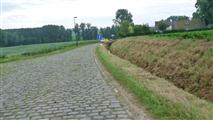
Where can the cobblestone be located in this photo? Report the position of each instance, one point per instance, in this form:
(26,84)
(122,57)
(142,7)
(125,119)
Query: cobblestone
(63,86)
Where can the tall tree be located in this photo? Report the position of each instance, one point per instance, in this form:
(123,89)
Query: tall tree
(123,20)
(177,18)
(204,11)
(123,15)
(83,26)
(88,25)
(162,25)
(114,32)
(106,32)
(3,40)
(77,32)
(124,29)
(94,32)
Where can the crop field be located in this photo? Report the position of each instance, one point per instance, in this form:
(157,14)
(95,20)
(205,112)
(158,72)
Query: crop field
(8,53)
(207,34)
(20,50)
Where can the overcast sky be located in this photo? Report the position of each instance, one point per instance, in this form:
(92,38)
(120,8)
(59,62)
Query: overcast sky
(36,13)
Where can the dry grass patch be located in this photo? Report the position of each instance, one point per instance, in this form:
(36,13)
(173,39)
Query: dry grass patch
(186,63)
(159,96)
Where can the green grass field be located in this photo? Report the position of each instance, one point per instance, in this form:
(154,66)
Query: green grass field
(207,34)
(21,52)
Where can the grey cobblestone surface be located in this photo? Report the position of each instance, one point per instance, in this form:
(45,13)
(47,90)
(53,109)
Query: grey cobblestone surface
(66,86)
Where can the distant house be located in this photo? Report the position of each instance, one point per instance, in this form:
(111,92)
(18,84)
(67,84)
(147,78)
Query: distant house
(184,24)
(187,24)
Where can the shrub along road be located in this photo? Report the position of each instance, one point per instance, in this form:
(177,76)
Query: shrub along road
(62,86)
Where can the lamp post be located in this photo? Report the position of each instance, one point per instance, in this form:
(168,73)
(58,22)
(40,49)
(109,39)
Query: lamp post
(75,31)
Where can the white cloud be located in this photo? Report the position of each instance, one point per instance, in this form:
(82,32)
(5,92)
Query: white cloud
(35,13)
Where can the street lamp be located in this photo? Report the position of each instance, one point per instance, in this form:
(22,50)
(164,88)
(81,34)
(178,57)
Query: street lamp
(75,32)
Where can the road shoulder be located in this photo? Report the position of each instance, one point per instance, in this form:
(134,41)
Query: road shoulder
(133,104)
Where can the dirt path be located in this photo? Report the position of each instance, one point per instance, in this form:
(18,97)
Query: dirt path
(64,86)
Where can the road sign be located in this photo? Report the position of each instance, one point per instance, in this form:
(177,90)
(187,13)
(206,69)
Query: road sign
(99,37)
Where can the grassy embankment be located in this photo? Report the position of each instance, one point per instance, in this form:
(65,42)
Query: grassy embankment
(158,96)
(8,54)
(187,64)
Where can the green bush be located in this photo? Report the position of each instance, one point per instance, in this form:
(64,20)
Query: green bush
(208,34)
(3,56)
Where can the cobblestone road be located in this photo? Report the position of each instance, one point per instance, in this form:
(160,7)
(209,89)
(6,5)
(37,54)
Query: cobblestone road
(58,87)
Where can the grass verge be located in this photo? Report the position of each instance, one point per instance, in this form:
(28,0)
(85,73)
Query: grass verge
(154,93)
(31,51)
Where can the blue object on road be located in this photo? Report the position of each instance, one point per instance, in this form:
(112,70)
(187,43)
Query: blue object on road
(99,37)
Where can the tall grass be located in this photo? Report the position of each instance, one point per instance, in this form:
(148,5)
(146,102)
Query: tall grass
(158,105)
(186,63)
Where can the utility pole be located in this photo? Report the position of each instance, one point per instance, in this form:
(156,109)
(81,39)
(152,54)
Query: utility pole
(75,32)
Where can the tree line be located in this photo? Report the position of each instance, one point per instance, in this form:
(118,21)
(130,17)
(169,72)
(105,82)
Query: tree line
(85,31)
(123,27)
(126,27)
(46,34)
(25,36)
(54,33)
